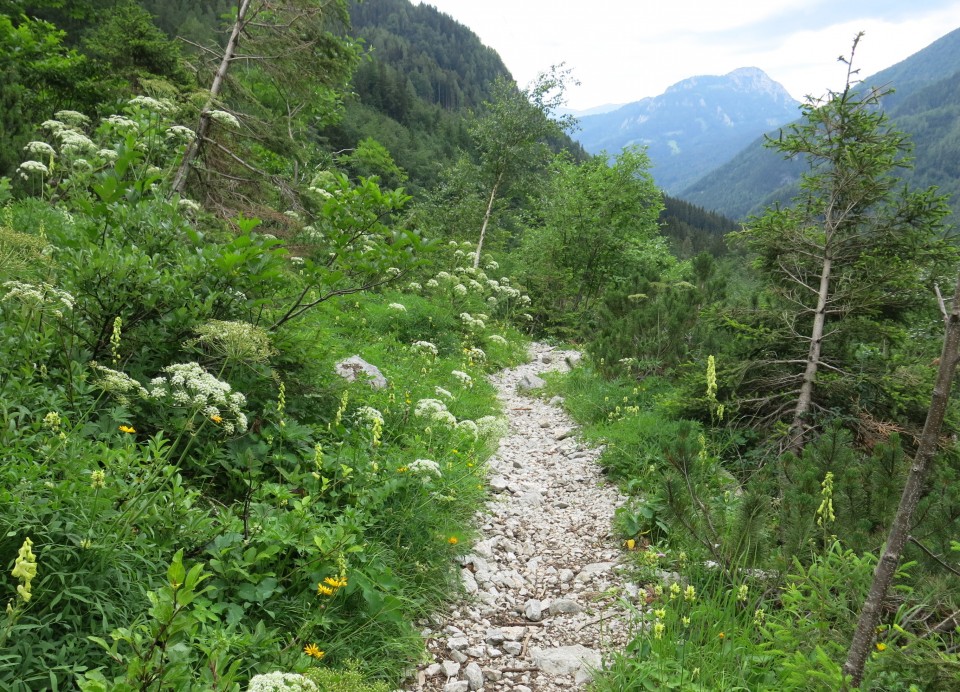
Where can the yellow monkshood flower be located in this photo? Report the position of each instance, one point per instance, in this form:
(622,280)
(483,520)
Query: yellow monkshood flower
(314,651)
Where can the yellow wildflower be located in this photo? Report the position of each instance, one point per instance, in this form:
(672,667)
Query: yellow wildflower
(881,646)
(314,651)
(690,593)
(630,543)
(453,540)
(98,479)
(216,418)
(658,629)
(127,429)
(324,590)
(674,590)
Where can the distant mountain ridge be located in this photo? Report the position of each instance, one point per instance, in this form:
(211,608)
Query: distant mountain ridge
(925,105)
(695,125)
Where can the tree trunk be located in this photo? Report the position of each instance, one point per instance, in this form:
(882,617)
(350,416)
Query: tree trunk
(796,437)
(863,637)
(486,219)
(190,155)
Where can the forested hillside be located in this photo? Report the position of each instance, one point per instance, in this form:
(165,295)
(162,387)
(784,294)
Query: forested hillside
(924,104)
(252,284)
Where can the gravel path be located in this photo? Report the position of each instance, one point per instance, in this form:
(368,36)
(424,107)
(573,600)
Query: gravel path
(543,589)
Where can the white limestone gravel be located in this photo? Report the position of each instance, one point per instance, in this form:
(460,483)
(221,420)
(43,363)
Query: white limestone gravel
(544,593)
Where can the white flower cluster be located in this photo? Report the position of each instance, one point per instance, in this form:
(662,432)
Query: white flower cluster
(72,118)
(398,307)
(424,467)
(435,411)
(432,284)
(414,287)
(473,323)
(44,296)
(281,682)
(477,354)
(122,123)
(39,149)
(120,384)
(73,143)
(492,427)
(444,393)
(460,290)
(425,347)
(190,386)
(463,378)
(225,118)
(497,339)
(368,414)
(28,168)
(151,104)
(468,427)
(189,205)
(180,134)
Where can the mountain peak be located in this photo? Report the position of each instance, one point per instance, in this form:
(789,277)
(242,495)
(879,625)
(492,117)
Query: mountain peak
(742,79)
(695,125)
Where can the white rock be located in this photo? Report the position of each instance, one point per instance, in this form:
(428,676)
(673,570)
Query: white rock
(565,660)
(450,668)
(457,686)
(533,610)
(474,676)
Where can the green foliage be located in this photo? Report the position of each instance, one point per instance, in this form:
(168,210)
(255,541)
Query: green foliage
(598,225)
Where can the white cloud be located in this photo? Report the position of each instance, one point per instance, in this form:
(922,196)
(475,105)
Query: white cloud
(624,50)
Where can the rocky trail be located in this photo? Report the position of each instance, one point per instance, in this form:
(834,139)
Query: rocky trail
(544,593)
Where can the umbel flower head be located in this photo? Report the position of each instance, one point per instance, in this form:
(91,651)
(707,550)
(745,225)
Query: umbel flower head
(235,341)
(190,386)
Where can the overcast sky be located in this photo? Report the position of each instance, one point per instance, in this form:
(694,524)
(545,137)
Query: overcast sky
(624,50)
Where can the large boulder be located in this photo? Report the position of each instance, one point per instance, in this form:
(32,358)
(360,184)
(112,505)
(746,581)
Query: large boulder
(356,368)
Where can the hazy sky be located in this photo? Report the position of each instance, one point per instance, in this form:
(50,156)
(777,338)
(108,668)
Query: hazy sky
(625,50)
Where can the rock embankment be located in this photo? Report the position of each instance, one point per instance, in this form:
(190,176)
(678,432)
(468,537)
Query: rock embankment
(544,593)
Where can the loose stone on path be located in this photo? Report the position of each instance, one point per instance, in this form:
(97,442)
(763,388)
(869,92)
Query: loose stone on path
(543,586)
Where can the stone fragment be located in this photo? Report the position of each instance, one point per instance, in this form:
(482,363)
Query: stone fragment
(474,676)
(450,668)
(513,648)
(565,660)
(565,606)
(530,382)
(533,610)
(457,686)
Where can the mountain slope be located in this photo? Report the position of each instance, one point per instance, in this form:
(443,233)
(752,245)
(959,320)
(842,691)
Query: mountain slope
(695,125)
(925,105)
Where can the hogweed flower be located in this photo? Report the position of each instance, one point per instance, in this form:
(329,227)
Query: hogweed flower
(118,383)
(278,680)
(463,378)
(224,118)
